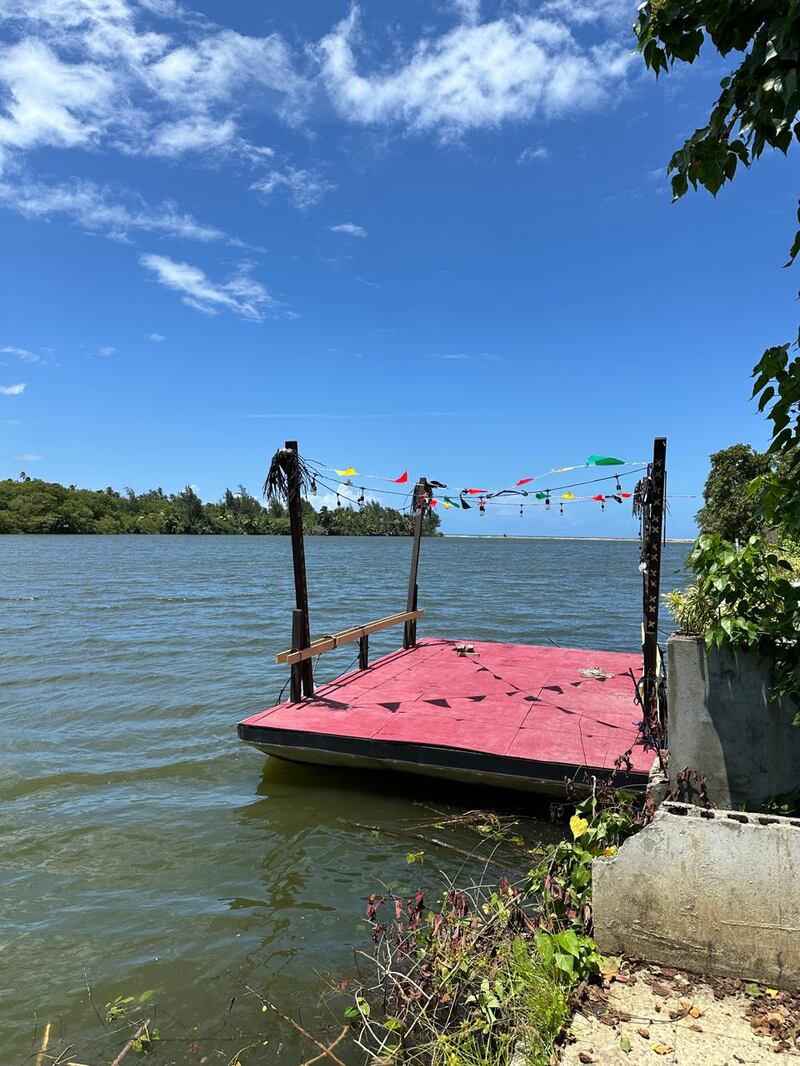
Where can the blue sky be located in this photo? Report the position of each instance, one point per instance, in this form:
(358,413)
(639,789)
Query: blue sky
(423,236)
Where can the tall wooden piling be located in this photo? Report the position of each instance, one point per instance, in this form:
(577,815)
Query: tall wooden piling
(302,673)
(652,536)
(419,499)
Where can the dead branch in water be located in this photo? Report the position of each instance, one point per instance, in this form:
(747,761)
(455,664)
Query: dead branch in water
(324,1054)
(434,841)
(136,1036)
(326,1051)
(43,1048)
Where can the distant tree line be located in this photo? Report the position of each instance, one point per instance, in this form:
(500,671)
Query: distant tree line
(29,505)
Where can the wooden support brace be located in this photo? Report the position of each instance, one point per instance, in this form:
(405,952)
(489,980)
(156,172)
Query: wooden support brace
(347,636)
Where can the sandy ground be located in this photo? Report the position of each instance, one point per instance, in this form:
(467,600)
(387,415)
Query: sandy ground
(654,1015)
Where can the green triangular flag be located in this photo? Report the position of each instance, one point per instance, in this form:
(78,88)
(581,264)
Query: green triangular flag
(604,460)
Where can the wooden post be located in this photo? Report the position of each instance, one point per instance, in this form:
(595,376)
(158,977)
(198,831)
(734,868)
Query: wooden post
(301,633)
(410,629)
(296,681)
(652,533)
(363,652)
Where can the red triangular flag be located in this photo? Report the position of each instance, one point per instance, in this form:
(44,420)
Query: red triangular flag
(524,480)
(433,503)
(601,498)
(402,479)
(476,492)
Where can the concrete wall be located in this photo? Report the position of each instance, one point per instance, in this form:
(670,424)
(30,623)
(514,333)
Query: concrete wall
(722,725)
(708,891)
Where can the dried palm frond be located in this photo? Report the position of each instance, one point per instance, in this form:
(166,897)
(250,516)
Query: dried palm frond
(286,468)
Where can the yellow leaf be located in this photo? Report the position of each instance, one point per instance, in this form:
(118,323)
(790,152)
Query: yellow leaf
(662,1049)
(578,825)
(696,1012)
(772,992)
(610,851)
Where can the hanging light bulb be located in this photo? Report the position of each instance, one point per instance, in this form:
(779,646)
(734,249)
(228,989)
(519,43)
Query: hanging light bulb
(603,505)
(561,508)
(619,487)
(313,485)
(482,506)
(547,501)
(520,510)
(360,499)
(338,501)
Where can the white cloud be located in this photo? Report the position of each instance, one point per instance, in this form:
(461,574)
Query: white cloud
(29,457)
(514,68)
(533,154)
(241,295)
(467,10)
(303,187)
(157,338)
(99,209)
(11,390)
(106,350)
(350,228)
(583,12)
(49,101)
(197,133)
(487,356)
(221,65)
(23,354)
(94,72)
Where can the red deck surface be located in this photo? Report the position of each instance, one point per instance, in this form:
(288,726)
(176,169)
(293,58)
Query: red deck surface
(508,700)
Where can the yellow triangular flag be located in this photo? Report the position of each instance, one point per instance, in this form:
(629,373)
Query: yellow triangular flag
(568,496)
(349,472)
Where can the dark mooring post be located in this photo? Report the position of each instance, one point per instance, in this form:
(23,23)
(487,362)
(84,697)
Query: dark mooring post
(302,680)
(652,534)
(419,500)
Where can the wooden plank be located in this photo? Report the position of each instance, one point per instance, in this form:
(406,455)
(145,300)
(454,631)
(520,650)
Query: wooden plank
(347,636)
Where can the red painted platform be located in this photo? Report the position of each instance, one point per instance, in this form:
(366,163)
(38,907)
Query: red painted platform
(519,716)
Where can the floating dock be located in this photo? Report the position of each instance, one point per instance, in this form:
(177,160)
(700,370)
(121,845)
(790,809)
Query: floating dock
(510,715)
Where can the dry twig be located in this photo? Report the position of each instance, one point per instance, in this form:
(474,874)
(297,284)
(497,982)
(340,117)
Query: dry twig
(136,1036)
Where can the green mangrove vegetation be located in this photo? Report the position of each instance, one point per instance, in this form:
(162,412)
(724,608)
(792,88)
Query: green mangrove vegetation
(30,505)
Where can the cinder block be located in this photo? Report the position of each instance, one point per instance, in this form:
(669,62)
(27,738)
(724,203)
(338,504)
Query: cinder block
(709,891)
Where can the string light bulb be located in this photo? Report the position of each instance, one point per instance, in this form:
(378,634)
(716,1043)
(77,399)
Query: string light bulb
(360,500)
(482,506)
(338,501)
(561,508)
(520,510)
(313,485)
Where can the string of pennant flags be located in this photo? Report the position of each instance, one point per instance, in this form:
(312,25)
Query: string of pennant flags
(467,498)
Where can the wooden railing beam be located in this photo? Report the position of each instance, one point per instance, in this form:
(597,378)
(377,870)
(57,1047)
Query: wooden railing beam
(347,636)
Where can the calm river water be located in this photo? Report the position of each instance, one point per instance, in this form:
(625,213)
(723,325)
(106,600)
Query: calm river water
(143,847)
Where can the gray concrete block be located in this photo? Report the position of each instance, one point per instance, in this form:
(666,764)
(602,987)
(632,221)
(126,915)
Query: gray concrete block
(722,724)
(710,891)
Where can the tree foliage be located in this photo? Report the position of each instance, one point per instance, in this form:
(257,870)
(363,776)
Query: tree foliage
(729,507)
(31,505)
(759,101)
